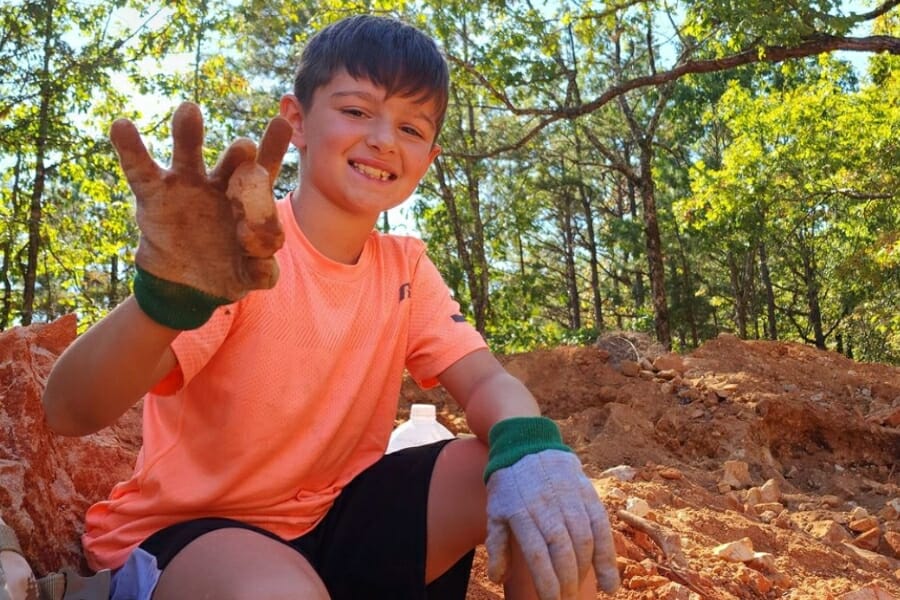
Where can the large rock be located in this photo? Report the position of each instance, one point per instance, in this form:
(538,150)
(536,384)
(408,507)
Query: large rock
(48,481)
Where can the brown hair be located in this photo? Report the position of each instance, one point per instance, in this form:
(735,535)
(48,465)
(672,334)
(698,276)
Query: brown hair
(384,50)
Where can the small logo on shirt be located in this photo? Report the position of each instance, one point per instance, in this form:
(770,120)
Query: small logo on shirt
(405,291)
(458,318)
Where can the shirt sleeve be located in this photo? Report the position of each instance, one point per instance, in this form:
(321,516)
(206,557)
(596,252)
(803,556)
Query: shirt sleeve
(439,335)
(194,348)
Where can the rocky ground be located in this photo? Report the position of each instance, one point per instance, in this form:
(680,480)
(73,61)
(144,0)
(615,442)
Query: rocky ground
(744,470)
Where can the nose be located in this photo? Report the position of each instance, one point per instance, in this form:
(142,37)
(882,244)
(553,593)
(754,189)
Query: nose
(381,136)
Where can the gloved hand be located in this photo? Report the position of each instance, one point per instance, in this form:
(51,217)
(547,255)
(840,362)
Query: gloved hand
(206,238)
(549,505)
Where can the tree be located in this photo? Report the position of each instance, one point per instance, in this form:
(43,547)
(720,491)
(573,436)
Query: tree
(798,178)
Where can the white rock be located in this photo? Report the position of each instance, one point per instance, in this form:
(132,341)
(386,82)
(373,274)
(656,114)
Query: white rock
(738,551)
(620,472)
(637,506)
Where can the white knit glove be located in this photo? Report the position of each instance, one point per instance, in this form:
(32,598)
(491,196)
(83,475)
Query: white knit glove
(549,505)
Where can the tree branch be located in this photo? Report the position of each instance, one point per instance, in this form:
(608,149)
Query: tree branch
(818,44)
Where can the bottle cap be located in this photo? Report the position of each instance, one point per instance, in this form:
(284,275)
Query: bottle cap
(422,411)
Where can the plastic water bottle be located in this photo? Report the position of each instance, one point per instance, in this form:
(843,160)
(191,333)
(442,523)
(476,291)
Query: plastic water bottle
(422,428)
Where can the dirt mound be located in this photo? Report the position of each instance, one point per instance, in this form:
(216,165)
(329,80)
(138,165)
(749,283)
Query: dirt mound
(784,451)
(745,470)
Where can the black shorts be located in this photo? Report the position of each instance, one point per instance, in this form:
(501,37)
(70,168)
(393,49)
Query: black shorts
(372,542)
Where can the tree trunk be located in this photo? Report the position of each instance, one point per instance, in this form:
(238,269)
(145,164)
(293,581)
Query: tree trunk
(812,298)
(462,247)
(654,249)
(594,262)
(480,300)
(12,227)
(36,216)
(637,285)
(739,293)
(689,293)
(568,231)
(771,323)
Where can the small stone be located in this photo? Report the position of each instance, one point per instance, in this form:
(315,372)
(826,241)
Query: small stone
(670,361)
(630,368)
(869,592)
(891,510)
(755,581)
(673,591)
(620,472)
(616,494)
(770,491)
(784,521)
(762,561)
(670,473)
(864,524)
(634,569)
(858,513)
(767,516)
(775,507)
(733,501)
(736,473)
(738,551)
(892,540)
(637,506)
(753,496)
(829,532)
(868,540)
(831,501)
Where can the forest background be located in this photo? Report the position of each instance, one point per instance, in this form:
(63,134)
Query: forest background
(676,167)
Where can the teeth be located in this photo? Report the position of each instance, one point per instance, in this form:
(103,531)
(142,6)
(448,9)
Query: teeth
(372,171)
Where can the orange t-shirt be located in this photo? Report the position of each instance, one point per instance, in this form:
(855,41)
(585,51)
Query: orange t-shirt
(287,394)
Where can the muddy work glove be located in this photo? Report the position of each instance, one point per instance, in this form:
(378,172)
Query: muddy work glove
(207,238)
(538,493)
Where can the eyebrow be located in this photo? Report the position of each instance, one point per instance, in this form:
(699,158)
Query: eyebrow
(369,97)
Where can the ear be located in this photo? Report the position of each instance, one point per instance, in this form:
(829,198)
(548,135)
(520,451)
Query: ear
(433,154)
(291,109)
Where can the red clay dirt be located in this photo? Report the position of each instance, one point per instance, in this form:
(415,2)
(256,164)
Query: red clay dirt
(824,429)
(788,453)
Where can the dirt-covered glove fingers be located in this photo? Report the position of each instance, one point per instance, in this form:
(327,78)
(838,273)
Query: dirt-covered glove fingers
(561,552)
(498,550)
(604,547)
(538,551)
(187,138)
(261,273)
(259,230)
(274,143)
(240,151)
(578,526)
(139,168)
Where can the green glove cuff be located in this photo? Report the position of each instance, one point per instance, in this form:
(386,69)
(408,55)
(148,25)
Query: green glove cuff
(174,305)
(513,438)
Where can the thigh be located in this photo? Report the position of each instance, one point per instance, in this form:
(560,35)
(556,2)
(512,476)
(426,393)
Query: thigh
(238,563)
(457,502)
(372,543)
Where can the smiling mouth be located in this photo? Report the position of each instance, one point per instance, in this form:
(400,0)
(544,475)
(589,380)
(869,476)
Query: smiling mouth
(372,172)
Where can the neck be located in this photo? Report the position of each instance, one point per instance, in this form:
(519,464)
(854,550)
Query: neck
(336,234)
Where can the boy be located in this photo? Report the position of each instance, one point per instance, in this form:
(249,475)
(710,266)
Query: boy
(266,414)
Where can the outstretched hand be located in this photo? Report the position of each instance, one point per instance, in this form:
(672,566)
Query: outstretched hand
(215,232)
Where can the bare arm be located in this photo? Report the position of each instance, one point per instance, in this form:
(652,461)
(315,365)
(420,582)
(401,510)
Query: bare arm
(106,370)
(487,392)
(207,238)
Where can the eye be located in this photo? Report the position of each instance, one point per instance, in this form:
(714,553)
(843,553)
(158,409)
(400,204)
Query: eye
(412,131)
(353,112)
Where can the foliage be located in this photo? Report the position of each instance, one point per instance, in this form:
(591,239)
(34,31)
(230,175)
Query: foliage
(768,189)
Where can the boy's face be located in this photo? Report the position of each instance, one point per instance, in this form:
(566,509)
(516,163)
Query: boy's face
(360,150)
